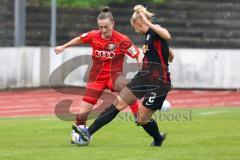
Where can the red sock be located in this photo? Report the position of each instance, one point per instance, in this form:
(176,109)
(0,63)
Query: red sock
(134,108)
(81,120)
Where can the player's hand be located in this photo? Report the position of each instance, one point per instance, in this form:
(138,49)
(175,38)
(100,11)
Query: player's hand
(59,49)
(170,57)
(145,48)
(144,18)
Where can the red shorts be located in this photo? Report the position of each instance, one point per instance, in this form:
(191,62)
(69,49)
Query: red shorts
(96,86)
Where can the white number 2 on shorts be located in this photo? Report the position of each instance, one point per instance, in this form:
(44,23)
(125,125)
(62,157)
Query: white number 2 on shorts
(152,97)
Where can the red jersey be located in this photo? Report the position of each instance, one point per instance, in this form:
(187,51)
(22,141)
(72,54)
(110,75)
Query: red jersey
(108,55)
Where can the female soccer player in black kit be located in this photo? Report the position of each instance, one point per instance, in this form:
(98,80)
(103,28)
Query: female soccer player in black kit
(152,82)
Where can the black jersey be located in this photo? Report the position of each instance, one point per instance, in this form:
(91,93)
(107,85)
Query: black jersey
(156,57)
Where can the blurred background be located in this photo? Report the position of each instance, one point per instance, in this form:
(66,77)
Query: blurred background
(205,40)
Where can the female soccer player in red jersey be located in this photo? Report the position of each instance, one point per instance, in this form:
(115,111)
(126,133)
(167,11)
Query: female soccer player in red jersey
(109,49)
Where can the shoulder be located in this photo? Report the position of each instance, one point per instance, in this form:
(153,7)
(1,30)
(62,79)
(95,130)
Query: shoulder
(94,31)
(119,35)
(90,33)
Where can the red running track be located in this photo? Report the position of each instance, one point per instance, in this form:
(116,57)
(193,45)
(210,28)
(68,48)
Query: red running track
(39,102)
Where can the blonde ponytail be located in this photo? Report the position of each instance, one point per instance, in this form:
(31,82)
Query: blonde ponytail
(140,8)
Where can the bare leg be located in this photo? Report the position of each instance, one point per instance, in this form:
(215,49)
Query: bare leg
(83,113)
(120,83)
(125,98)
(144,115)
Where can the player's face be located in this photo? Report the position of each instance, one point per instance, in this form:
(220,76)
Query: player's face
(139,26)
(105,27)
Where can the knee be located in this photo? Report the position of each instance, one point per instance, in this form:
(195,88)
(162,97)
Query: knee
(119,103)
(142,120)
(120,85)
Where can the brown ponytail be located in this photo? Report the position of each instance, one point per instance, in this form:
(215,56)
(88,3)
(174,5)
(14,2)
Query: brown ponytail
(105,13)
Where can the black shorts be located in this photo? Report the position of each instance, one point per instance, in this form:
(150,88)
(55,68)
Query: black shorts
(153,89)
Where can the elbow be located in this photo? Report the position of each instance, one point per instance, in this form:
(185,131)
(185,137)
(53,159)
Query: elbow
(168,37)
(163,32)
(78,39)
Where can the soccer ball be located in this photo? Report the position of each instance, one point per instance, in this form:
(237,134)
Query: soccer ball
(166,106)
(75,137)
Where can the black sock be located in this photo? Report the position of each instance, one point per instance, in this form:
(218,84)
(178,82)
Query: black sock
(152,129)
(105,117)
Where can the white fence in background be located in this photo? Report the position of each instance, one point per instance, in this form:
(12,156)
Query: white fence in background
(206,68)
(192,68)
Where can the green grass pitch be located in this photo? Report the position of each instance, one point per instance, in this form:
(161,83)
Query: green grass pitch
(200,134)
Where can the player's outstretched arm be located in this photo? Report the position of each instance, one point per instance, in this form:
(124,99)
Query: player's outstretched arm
(162,32)
(73,42)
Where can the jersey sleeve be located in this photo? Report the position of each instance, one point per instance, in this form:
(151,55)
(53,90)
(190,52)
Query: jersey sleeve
(86,37)
(131,49)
